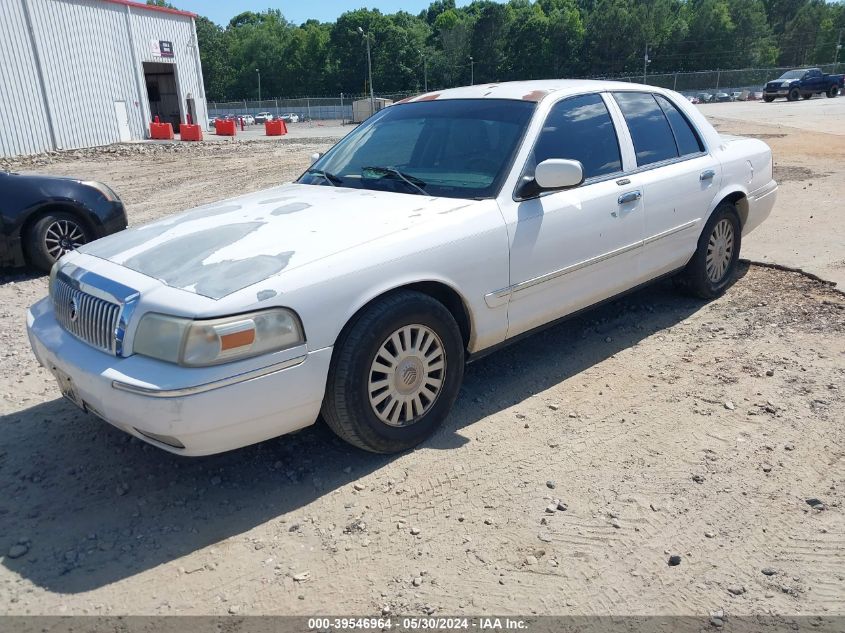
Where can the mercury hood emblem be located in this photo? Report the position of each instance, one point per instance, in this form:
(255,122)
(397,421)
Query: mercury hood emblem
(74,310)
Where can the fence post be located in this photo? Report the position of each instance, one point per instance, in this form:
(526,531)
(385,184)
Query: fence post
(718,77)
(342,113)
(675,85)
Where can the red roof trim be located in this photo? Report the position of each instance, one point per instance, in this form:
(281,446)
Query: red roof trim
(150,7)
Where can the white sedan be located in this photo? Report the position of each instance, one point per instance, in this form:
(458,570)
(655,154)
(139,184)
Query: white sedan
(439,229)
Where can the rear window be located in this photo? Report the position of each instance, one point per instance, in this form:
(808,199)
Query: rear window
(650,131)
(686,137)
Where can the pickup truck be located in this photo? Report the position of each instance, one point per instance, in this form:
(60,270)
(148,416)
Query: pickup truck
(804,82)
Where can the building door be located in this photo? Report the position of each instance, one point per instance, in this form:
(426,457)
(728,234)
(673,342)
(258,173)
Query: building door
(163,93)
(122,117)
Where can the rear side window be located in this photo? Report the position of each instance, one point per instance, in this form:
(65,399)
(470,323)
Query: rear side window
(580,129)
(650,131)
(685,136)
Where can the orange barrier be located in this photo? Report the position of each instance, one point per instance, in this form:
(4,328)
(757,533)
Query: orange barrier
(224,128)
(188,132)
(161,131)
(275,128)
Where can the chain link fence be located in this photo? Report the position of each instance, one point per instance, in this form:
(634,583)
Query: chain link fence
(306,108)
(752,79)
(339,108)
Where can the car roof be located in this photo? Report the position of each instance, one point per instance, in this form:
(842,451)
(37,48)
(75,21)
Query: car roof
(529,90)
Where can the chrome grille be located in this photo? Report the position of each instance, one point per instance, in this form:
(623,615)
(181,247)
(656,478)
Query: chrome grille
(89,318)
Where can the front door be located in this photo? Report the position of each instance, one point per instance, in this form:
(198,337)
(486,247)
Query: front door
(122,116)
(573,248)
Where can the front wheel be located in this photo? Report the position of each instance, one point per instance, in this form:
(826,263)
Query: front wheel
(794,95)
(711,268)
(832,92)
(54,235)
(395,373)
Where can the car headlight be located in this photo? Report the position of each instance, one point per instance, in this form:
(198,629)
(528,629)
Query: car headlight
(104,189)
(200,343)
(785,84)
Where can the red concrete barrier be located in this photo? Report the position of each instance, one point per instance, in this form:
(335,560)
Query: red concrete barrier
(275,128)
(188,132)
(224,128)
(161,131)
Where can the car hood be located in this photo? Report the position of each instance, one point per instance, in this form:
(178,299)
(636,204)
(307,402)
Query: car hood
(220,248)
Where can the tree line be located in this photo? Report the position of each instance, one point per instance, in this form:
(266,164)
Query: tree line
(521,39)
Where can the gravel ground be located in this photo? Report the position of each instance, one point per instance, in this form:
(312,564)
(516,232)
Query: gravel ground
(577,467)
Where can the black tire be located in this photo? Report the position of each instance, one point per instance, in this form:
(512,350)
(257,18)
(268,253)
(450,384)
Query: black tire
(768,99)
(695,279)
(52,236)
(832,92)
(809,96)
(347,408)
(794,95)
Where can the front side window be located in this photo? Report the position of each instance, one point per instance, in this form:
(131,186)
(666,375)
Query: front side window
(650,131)
(579,128)
(457,148)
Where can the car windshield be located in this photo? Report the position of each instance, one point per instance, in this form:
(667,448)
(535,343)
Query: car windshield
(793,74)
(456,148)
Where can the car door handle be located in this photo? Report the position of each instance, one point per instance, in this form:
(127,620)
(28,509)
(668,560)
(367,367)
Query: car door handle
(707,175)
(631,196)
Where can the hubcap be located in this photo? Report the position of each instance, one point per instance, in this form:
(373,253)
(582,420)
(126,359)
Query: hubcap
(406,375)
(720,250)
(63,236)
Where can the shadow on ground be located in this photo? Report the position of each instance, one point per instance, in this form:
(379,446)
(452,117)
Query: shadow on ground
(95,506)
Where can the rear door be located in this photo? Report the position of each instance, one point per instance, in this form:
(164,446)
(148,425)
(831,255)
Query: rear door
(678,176)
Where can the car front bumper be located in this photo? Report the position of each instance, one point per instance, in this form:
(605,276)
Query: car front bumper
(150,399)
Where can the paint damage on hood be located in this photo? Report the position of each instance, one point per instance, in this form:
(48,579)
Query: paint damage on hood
(220,248)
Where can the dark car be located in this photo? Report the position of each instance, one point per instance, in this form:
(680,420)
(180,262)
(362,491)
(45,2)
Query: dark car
(803,83)
(44,217)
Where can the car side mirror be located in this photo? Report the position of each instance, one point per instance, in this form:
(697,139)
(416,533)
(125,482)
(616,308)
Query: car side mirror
(552,174)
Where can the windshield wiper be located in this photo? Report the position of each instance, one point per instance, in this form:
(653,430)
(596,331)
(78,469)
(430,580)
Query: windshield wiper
(328,177)
(415,182)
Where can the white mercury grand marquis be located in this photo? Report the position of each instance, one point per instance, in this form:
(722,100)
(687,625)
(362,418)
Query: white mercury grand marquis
(440,228)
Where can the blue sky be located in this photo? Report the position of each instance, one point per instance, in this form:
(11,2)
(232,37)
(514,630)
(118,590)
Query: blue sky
(298,11)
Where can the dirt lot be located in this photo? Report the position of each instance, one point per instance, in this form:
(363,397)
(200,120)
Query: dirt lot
(574,465)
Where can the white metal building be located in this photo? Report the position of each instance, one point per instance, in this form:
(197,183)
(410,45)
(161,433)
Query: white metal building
(80,73)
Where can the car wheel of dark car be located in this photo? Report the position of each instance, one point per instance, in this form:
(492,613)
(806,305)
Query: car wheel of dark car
(711,268)
(54,235)
(832,91)
(395,373)
(794,95)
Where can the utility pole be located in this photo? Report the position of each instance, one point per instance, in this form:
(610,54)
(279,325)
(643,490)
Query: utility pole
(425,70)
(471,71)
(838,48)
(259,88)
(366,36)
(646,61)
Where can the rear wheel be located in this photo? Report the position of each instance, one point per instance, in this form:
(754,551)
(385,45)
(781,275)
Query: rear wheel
(711,268)
(832,92)
(794,95)
(54,235)
(395,373)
